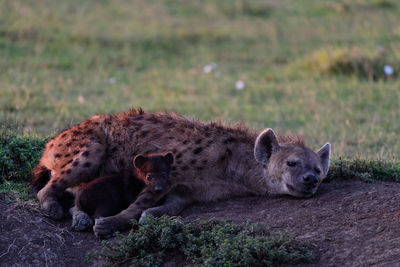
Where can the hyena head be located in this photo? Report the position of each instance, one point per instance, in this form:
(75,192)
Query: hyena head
(153,169)
(291,168)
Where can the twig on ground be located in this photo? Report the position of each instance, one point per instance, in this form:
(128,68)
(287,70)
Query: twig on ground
(8,250)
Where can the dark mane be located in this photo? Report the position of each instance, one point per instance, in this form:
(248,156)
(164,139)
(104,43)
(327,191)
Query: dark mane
(291,140)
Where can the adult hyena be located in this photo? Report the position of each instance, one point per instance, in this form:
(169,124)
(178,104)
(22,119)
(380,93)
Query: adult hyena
(212,161)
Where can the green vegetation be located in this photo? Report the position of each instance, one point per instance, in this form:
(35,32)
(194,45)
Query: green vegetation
(309,67)
(209,243)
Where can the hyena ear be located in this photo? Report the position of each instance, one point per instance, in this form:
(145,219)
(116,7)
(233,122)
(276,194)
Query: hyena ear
(138,161)
(324,154)
(266,144)
(169,158)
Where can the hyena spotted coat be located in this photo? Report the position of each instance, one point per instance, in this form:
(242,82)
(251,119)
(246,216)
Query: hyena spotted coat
(212,161)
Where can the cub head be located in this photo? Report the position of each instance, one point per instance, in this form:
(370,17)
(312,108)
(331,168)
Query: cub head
(153,169)
(291,168)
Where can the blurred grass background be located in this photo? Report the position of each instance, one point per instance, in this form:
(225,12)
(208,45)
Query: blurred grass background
(309,67)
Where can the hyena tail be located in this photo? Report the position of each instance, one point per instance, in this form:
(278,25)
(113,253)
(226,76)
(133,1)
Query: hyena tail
(40,177)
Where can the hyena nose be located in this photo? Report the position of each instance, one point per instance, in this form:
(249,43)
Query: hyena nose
(158,188)
(310,180)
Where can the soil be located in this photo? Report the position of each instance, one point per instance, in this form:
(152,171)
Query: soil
(348,223)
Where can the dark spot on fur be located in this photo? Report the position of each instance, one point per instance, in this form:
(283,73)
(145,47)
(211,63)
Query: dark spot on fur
(63,166)
(144,133)
(208,134)
(184,168)
(113,149)
(87,164)
(69,161)
(199,168)
(197,150)
(229,152)
(90,131)
(59,145)
(173,168)
(75,132)
(171,138)
(81,146)
(185,142)
(76,152)
(74,140)
(179,156)
(92,138)
(174,150)
(230,140)
(85,154)
(62,172)
(69,144)
(68,171)
(178,161)
(58,155)
(76,163)
(204,162)
(198,141)
(122,163)
(67,155)
(138,203)
(64,135)
(51,145)
(193,161)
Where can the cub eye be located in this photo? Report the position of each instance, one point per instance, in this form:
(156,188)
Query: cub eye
(317,170)
(291,163)
(149,177)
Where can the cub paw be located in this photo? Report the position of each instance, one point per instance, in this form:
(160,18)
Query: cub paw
(104,228)
(53,210)
(81,221)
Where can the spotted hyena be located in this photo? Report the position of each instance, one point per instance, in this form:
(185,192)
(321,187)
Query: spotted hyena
(212,161)
(110,194)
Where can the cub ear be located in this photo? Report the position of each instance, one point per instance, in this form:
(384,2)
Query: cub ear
(266,144)
(324,154)
(169,158)
(138,161)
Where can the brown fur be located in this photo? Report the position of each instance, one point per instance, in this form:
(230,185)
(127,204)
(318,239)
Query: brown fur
(212,161)
(108,195)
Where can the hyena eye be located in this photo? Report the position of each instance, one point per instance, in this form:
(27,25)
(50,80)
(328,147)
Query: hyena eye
(317,170)
(149,177)
(291,163)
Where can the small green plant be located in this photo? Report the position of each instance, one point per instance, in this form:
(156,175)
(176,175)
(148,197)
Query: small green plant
(18,155)
(208,243)
(364,169)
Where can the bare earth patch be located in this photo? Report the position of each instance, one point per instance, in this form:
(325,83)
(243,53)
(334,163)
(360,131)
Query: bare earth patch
(348,223)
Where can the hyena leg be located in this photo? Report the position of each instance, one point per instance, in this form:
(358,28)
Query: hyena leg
(177,200)
(82,167)
(81,221)
(105,227)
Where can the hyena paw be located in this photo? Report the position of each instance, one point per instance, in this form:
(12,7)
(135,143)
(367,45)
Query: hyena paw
(144,216)
(81,221)
(104,227)
(53,210)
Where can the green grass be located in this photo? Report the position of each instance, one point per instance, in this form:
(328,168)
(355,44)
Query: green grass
(57,58)
(208,243)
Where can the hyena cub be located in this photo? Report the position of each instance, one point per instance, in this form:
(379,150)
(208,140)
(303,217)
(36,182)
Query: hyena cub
(108,195)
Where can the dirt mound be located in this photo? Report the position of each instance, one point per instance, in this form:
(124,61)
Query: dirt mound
(348,223)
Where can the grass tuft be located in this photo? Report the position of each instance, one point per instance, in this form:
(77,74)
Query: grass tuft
(348,62)
(209,243)
(364,169)
(18,155)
